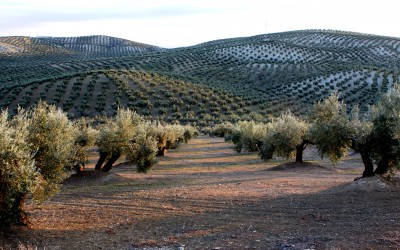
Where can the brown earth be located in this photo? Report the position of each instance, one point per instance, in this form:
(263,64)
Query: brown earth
(204,195)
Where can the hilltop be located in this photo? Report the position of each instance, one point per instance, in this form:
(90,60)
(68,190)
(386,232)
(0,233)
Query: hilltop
(93,45)
(230,79)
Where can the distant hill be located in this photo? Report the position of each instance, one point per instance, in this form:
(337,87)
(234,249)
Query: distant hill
(259,76)
(97,44)
(94,45)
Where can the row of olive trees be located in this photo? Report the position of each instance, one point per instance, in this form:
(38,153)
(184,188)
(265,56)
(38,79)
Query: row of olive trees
(40,147)
(374,134)
(140,141)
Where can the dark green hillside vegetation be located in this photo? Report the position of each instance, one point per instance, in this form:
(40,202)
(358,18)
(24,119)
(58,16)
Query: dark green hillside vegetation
(293,69)
(24,60)
(260,76)
(150,94)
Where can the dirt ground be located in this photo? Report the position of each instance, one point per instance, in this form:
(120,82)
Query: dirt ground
(204,195)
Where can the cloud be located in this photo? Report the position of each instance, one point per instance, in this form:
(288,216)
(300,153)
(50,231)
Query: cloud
(81,17)
(185,22)
(73,10)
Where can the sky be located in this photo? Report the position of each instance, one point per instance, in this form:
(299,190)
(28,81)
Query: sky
(178,23)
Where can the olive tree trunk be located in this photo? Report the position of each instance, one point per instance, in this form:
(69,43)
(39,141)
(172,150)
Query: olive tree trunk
(102,159)
(368,165)
(383,165)
(299,153)
(162,152)
(300,149)
(108,166)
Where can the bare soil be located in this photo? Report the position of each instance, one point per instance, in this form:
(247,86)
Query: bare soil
(204,195)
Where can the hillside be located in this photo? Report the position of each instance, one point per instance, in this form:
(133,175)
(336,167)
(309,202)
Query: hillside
(250,77)
(150,94)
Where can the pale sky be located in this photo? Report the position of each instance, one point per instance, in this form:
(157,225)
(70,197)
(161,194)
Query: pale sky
(177,23)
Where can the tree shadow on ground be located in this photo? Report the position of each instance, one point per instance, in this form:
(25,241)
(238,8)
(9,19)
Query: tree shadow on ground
(343,216)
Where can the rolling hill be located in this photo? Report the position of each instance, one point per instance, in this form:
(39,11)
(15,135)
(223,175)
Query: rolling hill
(241,78)
(97,46)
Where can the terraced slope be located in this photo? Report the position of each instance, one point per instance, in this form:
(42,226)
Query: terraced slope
(263,75)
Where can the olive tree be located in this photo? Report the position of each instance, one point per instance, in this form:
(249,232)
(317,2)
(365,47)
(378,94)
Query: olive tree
(175,134)
(128,134)
(18,173)
(248,135)
(335,132)
(36,152)
(158,131)
(360,128)
(374,134)
(168,136)
(115,137)
(385,135)
(52,139)
(144,148)
(222,130)
(189,133)
(287,136)
(85,137)
(330,130)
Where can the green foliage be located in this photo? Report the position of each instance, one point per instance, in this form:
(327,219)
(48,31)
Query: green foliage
(86,134)
(116,134)
(18,174)
(389,106)
(36,152)
(190,133)
(52,139)
(284,135)
(157,131)
(331,128)
(360,129)
(385,133)
(248,135)
(85,137)
(143,152)
(175,135)
(266,151)
(223,130)
(128,134)
(236,139)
